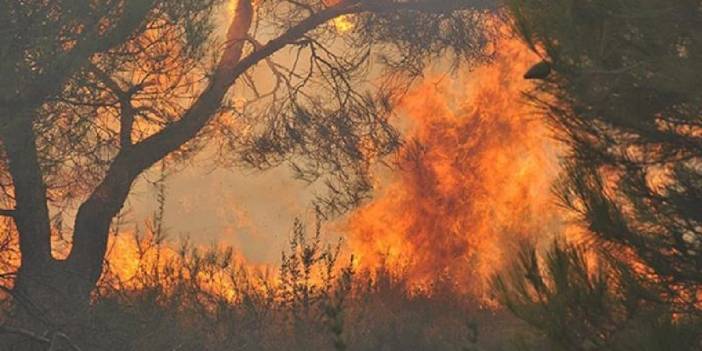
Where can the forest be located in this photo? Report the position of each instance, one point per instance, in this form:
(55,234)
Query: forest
(468,175)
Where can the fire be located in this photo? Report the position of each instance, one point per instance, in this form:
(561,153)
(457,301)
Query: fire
(344,23)
(138,262)
(473,181)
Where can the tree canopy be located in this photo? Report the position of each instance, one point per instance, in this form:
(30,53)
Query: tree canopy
(626,97)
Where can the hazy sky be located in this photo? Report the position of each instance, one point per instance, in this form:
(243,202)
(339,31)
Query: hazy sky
(253,211)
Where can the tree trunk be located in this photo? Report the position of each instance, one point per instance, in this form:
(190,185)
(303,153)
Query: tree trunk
(55,294)
(31,213)
(54,300)
(45,292)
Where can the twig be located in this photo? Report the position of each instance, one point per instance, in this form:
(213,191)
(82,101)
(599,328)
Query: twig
(54,342)
(4,212)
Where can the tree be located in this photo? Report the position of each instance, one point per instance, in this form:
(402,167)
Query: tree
(624,93)
(95,93)
(579,301)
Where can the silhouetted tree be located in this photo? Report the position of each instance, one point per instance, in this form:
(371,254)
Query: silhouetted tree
(625,95)
(95,93)
(578,301)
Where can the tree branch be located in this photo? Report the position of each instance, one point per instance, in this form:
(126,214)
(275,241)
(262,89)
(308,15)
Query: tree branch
(170,138)
(31,212)
(95,214)
(127,111)
(54,342)
(428,6)
(93,41)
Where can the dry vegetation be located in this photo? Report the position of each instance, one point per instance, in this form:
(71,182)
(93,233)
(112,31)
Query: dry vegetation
(190,298)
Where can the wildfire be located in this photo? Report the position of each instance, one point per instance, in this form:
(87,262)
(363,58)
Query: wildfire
(140,262)
(473,181)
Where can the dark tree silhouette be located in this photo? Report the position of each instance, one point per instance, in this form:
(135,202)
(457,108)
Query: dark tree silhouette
(95,93)
(624,93)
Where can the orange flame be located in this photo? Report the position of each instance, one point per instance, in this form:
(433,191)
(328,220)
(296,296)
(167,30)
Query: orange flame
(474,182)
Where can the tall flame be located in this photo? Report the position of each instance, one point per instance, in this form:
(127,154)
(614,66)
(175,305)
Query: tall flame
(472,184)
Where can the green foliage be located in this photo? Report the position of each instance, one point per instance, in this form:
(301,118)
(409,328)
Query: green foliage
(558,297)
(580,301)
(625,96)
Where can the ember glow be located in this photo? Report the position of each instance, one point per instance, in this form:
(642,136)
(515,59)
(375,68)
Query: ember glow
(473,181)
(344,23)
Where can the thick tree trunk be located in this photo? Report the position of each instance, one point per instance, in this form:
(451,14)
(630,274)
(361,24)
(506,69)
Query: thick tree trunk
(54,294)
(54,300)
(31,213)
(46,293)
(95,214)
(60,289)
(42,282)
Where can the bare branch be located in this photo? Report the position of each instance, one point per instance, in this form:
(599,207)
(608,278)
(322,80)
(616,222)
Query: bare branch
(93,41)
(127,111)
(54,342)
